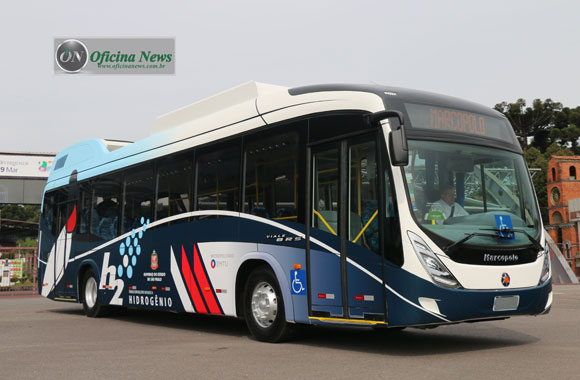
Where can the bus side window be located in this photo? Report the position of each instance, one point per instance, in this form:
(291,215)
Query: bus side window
(48,212)
(61,208)
(175,183)
(363,190)
(271,183)
(85,207)
(326,179)
(139,196)
(218,177)
(105,211)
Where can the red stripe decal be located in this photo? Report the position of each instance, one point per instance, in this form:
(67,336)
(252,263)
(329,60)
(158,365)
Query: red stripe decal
(191,286)
(72,220)
(204,283)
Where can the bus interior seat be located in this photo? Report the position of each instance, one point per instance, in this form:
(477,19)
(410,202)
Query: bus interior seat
(285,212)
(260,211)
(107,228)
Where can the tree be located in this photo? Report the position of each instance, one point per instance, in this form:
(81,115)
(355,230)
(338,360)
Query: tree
(567,136)
(556,150)
(536,120)
(26,213)
(536,159)
(28,242)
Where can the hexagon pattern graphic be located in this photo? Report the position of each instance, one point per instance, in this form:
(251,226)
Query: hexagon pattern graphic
(130,249)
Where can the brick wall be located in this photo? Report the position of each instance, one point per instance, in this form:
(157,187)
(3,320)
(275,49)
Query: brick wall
(563,185)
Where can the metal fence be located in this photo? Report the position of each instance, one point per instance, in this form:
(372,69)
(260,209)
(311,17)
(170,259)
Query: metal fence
(18,271)
(571,252)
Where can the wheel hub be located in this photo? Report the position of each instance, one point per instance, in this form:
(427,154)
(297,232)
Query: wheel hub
(91,292)
(264,304)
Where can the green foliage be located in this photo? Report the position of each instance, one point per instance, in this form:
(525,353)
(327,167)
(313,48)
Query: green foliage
(556,150)
(28,242)
(532,154)
(26,213)
(567,136)
(535,159)
(536,121)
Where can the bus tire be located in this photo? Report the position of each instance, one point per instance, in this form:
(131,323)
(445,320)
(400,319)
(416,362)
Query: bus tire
(264,307)
(90,296)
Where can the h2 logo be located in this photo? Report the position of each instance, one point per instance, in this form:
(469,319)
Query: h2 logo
(110,281)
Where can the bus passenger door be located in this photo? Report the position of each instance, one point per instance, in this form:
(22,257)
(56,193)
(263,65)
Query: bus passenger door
(345,261)
(325,244)
(364,271)
(64,211)
(59,249)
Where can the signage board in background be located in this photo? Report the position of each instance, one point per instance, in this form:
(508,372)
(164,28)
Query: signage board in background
(25,166)
(574,210)
(11,269)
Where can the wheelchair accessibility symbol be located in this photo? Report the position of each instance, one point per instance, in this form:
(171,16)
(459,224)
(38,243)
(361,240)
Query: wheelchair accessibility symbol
(298,281)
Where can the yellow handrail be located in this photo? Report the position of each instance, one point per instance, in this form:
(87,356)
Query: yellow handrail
(365,227)
(324,221)
(286,218)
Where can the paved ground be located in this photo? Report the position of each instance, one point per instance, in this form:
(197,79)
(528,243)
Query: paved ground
(42,339)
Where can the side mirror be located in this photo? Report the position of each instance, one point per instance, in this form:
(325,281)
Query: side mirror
(398,148)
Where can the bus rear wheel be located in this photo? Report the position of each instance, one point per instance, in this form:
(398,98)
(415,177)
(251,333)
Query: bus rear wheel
(90,296)
(264,307)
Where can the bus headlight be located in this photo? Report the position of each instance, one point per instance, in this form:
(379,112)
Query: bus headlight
(436,269)
(546,267)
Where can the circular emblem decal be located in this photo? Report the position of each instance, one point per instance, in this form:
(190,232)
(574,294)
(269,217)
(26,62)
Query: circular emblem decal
(505,279)
(71,56)
(212,264)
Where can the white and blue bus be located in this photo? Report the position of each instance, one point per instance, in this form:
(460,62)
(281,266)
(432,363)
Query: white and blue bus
(329,204)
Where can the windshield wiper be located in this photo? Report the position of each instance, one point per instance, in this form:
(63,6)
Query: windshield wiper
(469,236)
(534,242)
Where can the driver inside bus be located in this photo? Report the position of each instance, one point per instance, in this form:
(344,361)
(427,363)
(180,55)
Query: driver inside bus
(446,207)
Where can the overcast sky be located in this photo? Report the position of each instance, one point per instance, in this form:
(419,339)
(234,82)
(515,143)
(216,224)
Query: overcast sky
(486,51)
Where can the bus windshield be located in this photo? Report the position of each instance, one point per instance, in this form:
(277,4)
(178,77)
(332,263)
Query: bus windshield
(458,189)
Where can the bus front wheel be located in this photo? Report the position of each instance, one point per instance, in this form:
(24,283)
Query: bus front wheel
(264,307)
(91,296)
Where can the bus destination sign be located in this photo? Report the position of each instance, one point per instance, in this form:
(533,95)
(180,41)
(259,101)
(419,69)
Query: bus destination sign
(458,121)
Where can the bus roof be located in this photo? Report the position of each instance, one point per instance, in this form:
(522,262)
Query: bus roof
(234,97)
(242,108)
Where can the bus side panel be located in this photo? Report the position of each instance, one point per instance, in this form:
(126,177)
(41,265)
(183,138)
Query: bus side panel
(173,267)
(294,290)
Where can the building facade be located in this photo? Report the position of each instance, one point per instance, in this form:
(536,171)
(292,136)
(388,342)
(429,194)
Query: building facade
(563,187)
